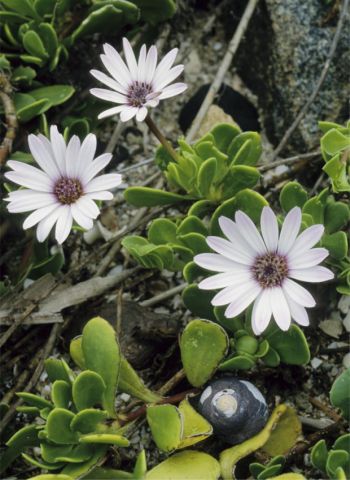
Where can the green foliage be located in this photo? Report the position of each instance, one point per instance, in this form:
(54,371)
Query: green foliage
(335,147)
(269,470)
(216,168)
(79,422)
(203,344)
(340,393)
(335,463)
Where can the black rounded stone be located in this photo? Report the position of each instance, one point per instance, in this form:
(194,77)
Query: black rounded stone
(235,408)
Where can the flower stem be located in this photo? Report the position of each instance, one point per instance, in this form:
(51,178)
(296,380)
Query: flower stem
(167,145)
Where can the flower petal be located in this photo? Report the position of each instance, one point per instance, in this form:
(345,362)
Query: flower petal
(111,111)
(95,167)
(262,312)
(280,308)
(130,59)
(45,161)
(116,66)
(109,95)
(88,207)
(310,258)
(165,64)
(221,280)
(64,224)
(232,293)
(28,176)
(243,301)
(227,249)
(215,262)
(231,231)
(27,200)
(72,154)
(46,224)
(298,313)
(127,113)
(86,155)
(102,195)
(290,230)
(151,63)
(104,182)
(312,274)
(298,293)
(168,77)
(249,231)
(141,65)
(307,239)
(108,81)
(81,219)
(269,229)
(58,146)
(172,90)
(38,215)
(141,114)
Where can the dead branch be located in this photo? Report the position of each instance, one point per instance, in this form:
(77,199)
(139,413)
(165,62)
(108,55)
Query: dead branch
(10,118)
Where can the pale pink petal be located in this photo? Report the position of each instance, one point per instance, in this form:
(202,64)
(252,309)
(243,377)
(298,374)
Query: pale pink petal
(312,274)
(225,279)
(64,224)
(45,225)
(250,233)
(47,148)
(59,149)
(241,303)
(298,312)
(110,82)
(232,232)
(152,103)
(168,77)
(141,66)
(151,63)
(27,200)
(290,230)
(95,167)
(215,262)
(310,258)
(86,154)
(109,95)
(116,66)
(165,64)
(72,154)
(104,182)
(81,219)
(103,195)
(172,90)
(262,312)
(27,178)
(128,113)
(232,293)
(227,249)
(307,239)
(298,293)
(130,58)
(38,215)
(111,111)
(280,308)
(141,114)
(88,207)
(269,229)
(45,161)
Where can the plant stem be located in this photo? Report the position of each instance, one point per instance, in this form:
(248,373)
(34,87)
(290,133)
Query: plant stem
(155,130)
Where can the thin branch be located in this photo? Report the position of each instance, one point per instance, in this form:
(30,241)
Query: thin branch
(10,118)
(163,296)
(225,64)
(288,161)
(319,83)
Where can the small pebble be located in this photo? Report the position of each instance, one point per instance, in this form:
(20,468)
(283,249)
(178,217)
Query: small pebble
(125,397)
(346,322)
(344,304)
(346,360)
(332,328)
(316,362)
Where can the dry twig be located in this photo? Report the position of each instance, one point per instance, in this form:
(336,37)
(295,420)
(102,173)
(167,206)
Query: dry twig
(10,118)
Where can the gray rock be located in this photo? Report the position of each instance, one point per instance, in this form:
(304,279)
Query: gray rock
(281,59)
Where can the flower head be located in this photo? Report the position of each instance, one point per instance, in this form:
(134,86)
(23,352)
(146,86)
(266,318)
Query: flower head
(136,84)
(65,186)
(261,268)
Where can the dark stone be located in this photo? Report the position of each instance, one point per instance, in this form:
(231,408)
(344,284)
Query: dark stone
(281,59)
(235,408)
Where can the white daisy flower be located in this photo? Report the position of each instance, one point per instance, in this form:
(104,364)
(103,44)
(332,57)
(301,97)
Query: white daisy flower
(65,186)
(260,268)
(138,84)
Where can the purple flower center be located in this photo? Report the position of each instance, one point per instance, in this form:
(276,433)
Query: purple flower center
(68,190)
(270,270)
(137,94)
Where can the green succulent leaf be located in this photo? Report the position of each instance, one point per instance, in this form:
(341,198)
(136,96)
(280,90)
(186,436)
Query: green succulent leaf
(165,422)
(151,197)
(23,438)
(129,382)
(105,438)
(34,400)
(88,390)
(102,355)
(58,427)
(340,393)
(291,346)
(336,244)
(198,301)
(34,45)
(336,216)
(203,344)
(319,454)
(156,11)
(61,393)
(292,195)
(23,7)
(86,421)
(58,370)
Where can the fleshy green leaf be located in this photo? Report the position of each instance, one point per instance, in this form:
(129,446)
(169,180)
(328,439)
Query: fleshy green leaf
(88,390)
(151,197)
(340,393)
(58,426)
